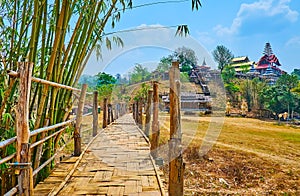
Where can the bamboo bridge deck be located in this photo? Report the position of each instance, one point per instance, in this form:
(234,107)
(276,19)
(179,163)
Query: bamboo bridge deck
(116,162)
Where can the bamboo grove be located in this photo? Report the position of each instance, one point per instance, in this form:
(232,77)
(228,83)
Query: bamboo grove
(58,37)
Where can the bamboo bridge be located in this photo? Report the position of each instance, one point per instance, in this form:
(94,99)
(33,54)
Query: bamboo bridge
(116,162)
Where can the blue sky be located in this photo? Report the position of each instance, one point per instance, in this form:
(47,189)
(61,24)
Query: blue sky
(242,26)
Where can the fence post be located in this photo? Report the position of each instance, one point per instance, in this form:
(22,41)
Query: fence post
(117,110)
(112,113)
(95,113)
(77,132)
(136,111)
(25,179)
(104,122)
(133,111)
(176,165)
(148,112)
(108,114)
(155,123)
(140,114)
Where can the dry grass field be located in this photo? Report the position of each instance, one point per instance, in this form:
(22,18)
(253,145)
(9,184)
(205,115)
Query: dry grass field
(249,157)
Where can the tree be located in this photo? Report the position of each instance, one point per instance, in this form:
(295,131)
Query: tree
(250,90)
(280,97)
(290,81)
(222,56)
(186,57)
(228,76)
(296,72)
(139,74)
(164,64)
(105,85)
(104,79)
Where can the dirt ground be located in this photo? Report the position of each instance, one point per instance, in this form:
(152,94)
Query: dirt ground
(250,157)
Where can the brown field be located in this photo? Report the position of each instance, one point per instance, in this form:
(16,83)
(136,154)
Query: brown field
(249,157)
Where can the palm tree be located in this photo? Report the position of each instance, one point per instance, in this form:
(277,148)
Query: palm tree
(222,56)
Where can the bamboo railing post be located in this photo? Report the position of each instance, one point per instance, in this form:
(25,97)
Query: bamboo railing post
(117,108)
(108,114)
(77,132)
(25,178)
(140,114)
(133,111)
(148,113)
(104,122)
(136,111)
(112,113)
(95,114)
(155,123)
(176,165)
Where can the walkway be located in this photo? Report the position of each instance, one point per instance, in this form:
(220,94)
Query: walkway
(116,163)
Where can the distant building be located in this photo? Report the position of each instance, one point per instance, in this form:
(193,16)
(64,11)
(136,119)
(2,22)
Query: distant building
(241,64)
(268,66)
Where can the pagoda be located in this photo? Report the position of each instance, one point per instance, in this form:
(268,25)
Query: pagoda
(268,65)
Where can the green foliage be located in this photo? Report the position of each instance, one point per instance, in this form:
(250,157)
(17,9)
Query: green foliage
(228,74)
(296,72)
(105,79)
(280,97)
(187,60)
(164,64)
(184,77)
(105,84)
(186,57)
(222,56)
(290,81)
(142,92)
(250,90)
(139,74)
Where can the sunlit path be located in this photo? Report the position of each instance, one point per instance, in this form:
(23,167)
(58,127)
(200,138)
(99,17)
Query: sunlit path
(117,162)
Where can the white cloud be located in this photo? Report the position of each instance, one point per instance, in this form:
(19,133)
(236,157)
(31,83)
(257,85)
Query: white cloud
(295,41)
(261,8)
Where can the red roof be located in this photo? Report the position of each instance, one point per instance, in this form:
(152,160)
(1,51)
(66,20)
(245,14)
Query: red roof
(265,66)
(271,59)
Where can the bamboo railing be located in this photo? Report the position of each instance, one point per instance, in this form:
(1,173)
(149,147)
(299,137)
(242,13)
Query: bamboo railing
(23,168)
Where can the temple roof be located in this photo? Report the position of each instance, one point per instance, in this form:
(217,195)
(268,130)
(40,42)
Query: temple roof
(268,59)
(242,58)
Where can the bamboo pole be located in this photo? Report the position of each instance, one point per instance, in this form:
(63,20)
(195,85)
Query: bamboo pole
(42,81)
(155,123)
(133,110)
(176,165)
(77,137)
(140,113)
(23,133)
(136,112)
(112,113)
(104,124)
(108,114)
(148,113)
(95,114)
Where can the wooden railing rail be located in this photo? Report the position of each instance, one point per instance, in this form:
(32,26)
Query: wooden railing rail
(25,181)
